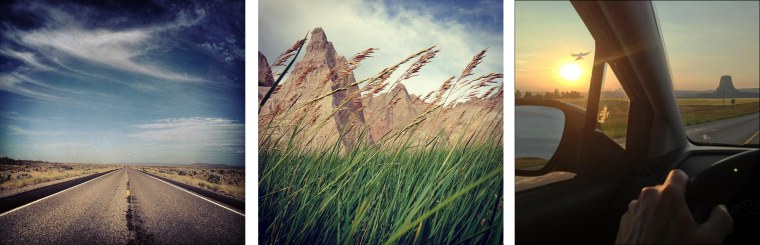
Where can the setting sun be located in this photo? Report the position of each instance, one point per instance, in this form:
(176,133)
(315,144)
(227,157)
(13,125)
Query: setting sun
(570,71)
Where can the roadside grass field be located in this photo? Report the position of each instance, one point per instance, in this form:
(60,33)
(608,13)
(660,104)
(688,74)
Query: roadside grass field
(229,182)
(693,111)
(727,102)
(386,192)
(530,163)
(22,173)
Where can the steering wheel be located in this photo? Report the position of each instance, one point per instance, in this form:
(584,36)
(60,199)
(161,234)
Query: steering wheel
(735,182)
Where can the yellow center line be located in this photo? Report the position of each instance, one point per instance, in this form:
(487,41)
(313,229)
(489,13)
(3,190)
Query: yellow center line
(127,184)
(751,137)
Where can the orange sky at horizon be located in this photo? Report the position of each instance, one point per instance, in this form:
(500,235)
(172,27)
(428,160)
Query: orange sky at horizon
(540,51)
(703,41)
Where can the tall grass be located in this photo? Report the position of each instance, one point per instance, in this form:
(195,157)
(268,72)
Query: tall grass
(442,188)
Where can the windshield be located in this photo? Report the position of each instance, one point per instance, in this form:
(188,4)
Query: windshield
(712,48)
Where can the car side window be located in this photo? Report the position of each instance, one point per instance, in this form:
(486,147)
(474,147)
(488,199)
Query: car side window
(614,104)
(554,56)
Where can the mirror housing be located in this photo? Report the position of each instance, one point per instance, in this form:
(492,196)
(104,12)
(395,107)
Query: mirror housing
(565,158)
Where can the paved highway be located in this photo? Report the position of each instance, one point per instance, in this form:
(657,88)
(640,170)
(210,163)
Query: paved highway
(734,131)
(738,130)
(123,207)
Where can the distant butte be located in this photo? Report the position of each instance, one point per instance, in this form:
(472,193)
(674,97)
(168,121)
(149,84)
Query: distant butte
(726,89)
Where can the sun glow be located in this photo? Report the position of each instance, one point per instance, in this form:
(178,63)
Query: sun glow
(571,71)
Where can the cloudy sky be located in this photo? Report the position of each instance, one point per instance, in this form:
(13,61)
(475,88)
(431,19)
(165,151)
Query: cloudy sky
(398,28)
(122,81)
(704,40)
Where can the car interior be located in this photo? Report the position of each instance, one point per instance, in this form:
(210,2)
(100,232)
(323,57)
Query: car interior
(587,208)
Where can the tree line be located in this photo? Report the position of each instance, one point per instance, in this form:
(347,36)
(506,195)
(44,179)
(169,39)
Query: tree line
(549,95)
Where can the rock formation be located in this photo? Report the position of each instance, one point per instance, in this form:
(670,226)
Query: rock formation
(265,73)
(478,119)
(337,117)
(726,89)
(391,110)
(346,118)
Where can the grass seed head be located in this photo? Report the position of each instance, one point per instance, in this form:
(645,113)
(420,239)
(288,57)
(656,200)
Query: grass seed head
(288,53)
(476,60)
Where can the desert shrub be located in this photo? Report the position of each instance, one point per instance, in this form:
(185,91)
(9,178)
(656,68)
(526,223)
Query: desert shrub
(213,178)
(5,176)
(236,179)
(23,176)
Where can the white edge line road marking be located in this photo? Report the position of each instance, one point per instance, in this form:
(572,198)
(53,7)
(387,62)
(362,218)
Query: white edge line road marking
(23,206)
(217,204)
(751,137)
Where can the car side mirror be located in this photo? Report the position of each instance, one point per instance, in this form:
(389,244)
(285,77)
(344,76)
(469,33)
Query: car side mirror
(547,135)
(538,132)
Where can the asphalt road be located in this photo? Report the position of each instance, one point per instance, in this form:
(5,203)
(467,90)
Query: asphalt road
(733,131)
(738,130)
(123,207)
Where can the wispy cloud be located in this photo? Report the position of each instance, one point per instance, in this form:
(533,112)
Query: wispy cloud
(118,49)
(26,57)
(16,130)
(17,116)
(195,131)
(224,51)
(92,78)
(15,84)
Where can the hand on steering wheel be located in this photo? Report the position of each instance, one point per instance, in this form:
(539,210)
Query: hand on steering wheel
(661,215)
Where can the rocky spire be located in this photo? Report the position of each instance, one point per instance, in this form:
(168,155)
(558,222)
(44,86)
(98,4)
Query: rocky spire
(265,74)
(400,92)
(726,85)
(319,50)
(312,78)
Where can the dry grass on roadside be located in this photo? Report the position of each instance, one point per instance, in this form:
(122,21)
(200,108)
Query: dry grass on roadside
(16,174)
(229,182)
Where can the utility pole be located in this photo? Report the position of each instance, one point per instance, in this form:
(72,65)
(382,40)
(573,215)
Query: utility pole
(724,95)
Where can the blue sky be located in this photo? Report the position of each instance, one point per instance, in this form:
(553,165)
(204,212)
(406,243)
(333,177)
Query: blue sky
(398,28)
(138,81)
